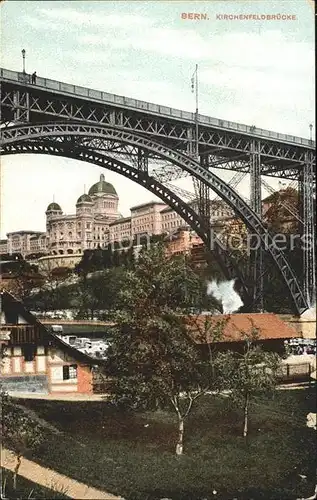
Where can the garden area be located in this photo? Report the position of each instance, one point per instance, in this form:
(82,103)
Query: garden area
(178,422)
(132,454)
(27,489)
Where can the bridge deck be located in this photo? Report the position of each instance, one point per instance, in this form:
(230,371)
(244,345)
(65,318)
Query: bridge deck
(150,108)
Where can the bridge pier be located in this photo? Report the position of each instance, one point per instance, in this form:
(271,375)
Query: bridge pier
(143,161)
(21,106)
(256,254)
(307,199)
(203,192)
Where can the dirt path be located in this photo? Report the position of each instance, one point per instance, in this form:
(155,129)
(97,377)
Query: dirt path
(52,479)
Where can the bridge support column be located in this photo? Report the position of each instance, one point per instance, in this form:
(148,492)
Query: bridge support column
(256,253)
(21,106)
(202,192)
(143,161)
(190,141)
(307,198)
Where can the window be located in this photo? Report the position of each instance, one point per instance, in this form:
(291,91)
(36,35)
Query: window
(29,351)
(69,372)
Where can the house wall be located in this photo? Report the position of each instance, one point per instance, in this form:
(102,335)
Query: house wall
(44,374)
(272,345)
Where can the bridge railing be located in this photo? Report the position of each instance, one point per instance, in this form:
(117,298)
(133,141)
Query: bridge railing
(152,108)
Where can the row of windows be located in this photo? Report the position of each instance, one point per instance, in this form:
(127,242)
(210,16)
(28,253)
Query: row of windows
(171,215)
(143,228)
(29,352)
(68,251)
(121,227)
(108,204)
(121,234)
(174,223)
(144,219)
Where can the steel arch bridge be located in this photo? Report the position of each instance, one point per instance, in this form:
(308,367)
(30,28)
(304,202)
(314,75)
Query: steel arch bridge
(88,141)
(57,148)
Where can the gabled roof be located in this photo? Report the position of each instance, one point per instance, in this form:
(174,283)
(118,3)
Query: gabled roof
(8,300)
(269,326)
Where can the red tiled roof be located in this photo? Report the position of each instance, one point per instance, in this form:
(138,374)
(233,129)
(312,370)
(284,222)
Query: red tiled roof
(269,326)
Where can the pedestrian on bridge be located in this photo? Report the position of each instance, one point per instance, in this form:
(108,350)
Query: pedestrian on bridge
(34,77)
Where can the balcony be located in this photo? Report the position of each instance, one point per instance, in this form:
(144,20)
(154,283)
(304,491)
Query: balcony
(20,334)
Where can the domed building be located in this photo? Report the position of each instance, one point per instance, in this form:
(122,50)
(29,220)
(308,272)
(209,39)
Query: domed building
(88,228)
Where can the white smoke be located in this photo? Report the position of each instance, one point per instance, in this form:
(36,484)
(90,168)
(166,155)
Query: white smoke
(225,293)
(309,313)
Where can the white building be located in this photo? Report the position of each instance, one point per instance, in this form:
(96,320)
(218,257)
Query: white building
(88,228)
(95,223)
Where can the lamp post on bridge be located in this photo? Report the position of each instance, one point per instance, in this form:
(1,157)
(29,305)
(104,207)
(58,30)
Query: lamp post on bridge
(311,132)
(195,88)
(23,58)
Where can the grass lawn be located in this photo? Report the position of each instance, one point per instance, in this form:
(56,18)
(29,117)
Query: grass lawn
(26,489)
(133,455)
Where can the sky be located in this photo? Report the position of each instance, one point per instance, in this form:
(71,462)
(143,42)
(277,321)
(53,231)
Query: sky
(254,72)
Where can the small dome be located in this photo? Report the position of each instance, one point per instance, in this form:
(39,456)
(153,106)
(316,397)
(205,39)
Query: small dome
(53,206)
(102,187)
(84,198)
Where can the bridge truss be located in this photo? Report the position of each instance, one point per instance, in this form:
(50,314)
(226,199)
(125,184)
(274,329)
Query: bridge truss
(56,118)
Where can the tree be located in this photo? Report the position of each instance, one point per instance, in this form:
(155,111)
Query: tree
(250,374)
(282,211)
(20,432)
(155,365)
(53,292)
(152,361)
(20,429)
(22,286)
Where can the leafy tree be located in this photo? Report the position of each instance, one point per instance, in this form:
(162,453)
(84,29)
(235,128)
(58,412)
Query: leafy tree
(22,286)
(98,292)
(250,374)
(20,432)
(282,213)
(152,360)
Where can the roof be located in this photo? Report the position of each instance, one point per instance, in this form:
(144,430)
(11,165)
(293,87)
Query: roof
(285,194)
(120,221)
(84,198)
(167,209)
(37,236)
(148,204)
(25,232)
(102,187)
(8,300)
(53,206)
(270,326)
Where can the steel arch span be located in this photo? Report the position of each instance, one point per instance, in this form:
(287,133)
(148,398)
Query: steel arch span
(107,138)
(228,266)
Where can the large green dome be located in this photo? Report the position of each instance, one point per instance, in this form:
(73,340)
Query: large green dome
(53,206)
(102,187)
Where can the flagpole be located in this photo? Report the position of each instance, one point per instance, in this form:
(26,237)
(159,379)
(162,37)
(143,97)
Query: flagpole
(194,81)
(196,115)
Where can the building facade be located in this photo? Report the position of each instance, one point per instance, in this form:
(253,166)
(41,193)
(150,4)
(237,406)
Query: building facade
(35,360)
(88,228)
(24,242)
(97,222)
(69,235)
